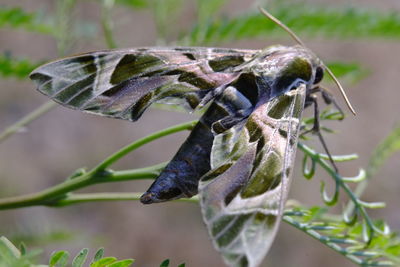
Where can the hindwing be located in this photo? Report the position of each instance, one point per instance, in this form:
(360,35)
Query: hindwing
(244,194)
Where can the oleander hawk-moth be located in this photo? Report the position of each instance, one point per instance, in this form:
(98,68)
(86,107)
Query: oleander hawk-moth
(240,154)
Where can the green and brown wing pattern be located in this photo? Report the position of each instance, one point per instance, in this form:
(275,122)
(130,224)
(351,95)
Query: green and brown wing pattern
(244,194)
(123,83)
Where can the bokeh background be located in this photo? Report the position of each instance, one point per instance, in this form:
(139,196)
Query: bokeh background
(53,146)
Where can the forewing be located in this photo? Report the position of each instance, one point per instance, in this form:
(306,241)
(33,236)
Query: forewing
(243,196)
(123,83)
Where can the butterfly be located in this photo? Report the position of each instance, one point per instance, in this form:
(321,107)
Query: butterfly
(238,157)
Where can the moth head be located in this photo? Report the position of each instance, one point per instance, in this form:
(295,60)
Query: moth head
(284,68)
(299,66)
(300,42)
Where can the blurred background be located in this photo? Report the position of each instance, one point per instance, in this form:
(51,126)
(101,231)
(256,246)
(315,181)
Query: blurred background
(358,38)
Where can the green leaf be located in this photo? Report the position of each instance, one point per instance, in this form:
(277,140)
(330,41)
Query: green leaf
(77,173)
(350,241)
(133,3)
(206,12)
(122,263)
(304,19)
(98,255)
(387,147)
(165,263)
(351,72)
(10,256)
(103,262)
(166,13)
(17,68)
(206,9)
(80,259)
(59,259)
(373,205)
(22,248)
(18,18)
(8,250)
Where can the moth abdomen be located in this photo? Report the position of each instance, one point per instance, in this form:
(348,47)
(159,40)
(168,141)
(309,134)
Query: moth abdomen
(181,176)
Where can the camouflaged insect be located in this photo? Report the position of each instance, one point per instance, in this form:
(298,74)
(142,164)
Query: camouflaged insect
(239,156)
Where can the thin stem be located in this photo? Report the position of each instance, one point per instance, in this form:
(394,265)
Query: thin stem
(344,186)
(129,148)
(64,21)
(60,191)
(106,23)
(17,126)
(317,236)
(72,199)
(378,157)
(63,37)
(98,174)
(150,172)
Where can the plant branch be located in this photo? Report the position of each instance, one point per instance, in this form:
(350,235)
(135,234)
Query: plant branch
(106,22)
(72,199)
(340,182)
(60,191)
(98,174)
(17,126)
(129,148)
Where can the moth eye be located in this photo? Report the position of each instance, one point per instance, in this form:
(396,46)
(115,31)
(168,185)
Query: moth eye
(296,71)
(319,74)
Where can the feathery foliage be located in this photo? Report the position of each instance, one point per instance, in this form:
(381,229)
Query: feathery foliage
(19,19)
(305,19)
(10,255)
(133,3)
(348,72)
(18,68)
(347,239)
(388,146)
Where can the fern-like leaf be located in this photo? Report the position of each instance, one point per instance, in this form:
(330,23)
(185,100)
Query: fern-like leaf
(381,250)
(17,68)
(18,18)
(305,20)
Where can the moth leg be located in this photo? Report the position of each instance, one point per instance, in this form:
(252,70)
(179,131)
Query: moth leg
(311,99)
(328,98)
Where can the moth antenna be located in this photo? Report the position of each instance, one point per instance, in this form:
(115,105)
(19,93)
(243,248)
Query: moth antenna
(283,26)
(300,42)
(341,89)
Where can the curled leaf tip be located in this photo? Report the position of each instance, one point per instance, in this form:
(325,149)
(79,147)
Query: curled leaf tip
(356,179)
(329,201)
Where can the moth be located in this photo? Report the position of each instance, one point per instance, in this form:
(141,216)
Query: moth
(238,157)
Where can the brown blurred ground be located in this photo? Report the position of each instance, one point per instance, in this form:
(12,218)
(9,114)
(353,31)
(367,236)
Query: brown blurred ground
(64,140)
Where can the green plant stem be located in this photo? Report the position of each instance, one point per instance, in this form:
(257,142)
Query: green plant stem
(317,236)
(63,37)
(361,209)
(381,153)
(17,126)
(149,172)
(106,22)
(52,195)
(127,149)
(98,174)
(72,199)
(63,33)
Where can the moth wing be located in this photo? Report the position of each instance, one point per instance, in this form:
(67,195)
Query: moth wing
(243,197)
(123,83)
